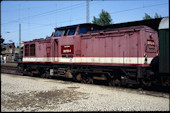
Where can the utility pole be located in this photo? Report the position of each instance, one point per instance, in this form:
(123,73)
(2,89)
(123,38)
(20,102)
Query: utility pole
(87,11)
(19,41)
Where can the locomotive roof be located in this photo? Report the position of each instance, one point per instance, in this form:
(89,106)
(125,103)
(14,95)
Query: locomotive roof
(153,23)
(38,40)
(71,26)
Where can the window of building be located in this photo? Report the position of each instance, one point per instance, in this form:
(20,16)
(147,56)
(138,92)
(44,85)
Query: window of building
(27,50)
(32,50)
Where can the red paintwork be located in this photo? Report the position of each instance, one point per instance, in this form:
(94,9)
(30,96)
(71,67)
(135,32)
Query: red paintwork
(132,41)
(42,47)
(67,49)
(124,42)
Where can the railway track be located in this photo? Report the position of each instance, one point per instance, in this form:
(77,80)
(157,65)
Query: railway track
(10,70)
(155,91)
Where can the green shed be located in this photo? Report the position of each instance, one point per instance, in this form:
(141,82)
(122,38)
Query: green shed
(164,47)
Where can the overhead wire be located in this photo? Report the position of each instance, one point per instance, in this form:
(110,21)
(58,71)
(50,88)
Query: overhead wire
(44,25)
(45,13)
(137,8)
(49,12)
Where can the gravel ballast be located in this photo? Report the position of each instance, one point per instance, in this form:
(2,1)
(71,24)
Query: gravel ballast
(24,93)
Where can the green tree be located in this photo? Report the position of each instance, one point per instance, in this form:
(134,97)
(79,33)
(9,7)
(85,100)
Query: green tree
(104,19)
(157,16)
(2,40)
(95,20)
(146,17)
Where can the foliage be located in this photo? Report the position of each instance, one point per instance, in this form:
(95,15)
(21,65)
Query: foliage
(2,40)
(146,17)
(104,19)
(157,16)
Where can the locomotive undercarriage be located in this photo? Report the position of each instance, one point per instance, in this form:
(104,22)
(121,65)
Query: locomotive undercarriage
(114,76)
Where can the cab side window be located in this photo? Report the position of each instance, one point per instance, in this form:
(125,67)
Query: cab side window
(58,33)
(71,31)
(82,30)
(27,50)
(32,50)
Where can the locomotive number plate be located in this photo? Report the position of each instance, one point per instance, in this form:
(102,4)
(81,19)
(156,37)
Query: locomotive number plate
(151,42)
(67,49)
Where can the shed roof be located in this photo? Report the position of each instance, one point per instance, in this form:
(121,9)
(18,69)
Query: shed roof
(164,24)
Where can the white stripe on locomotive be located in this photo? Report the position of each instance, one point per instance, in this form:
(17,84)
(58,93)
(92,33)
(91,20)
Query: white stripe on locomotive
(120,60)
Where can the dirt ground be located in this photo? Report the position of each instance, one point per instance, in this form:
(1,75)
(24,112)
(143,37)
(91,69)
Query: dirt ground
(24,93)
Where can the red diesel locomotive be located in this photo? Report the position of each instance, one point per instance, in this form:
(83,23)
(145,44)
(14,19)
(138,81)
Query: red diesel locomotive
(85,52)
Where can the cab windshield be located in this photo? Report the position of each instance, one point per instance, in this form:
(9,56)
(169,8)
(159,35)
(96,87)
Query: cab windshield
(58,33)
(71,31)
(85,29)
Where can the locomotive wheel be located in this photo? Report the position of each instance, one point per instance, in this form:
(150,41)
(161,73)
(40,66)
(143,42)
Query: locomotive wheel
(87,80)
(111,83)
(114,82)
(77,77)
(31,74)
(145,83)
(24,73)
(45,74)
(42,75)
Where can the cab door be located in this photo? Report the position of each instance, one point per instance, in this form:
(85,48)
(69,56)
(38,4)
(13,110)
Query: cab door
(55,54)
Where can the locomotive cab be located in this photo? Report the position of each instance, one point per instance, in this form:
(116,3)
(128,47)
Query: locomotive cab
(69,40)
(75,30)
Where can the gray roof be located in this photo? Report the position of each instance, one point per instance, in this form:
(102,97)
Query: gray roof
(164,24)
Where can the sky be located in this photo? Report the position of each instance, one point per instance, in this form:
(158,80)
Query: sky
(39,18)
